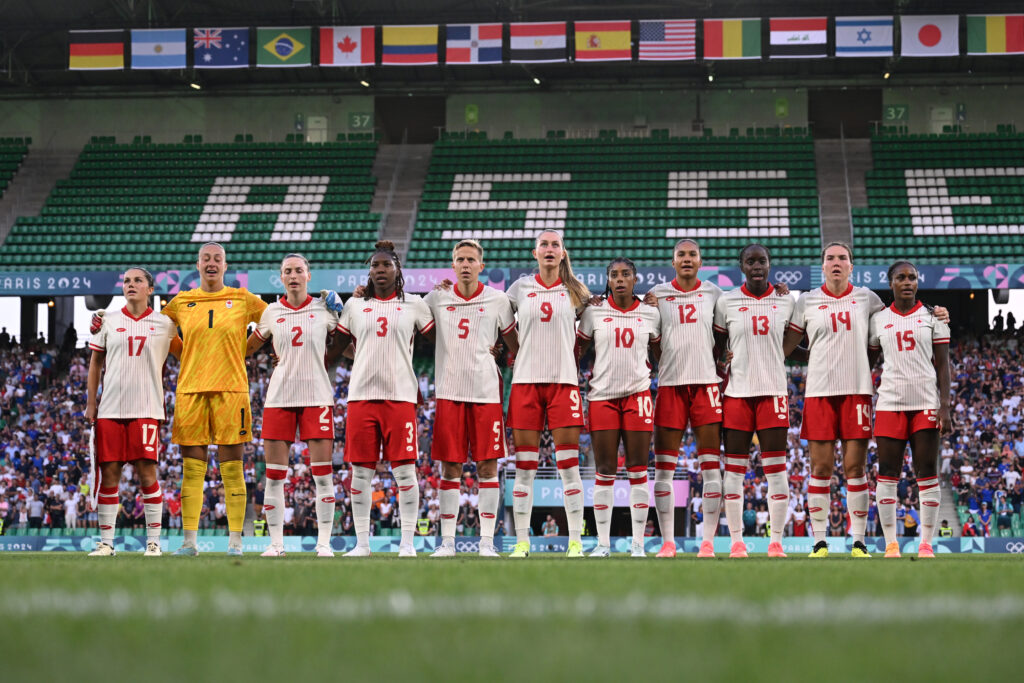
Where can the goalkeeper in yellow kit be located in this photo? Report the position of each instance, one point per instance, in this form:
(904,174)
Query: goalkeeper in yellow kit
(212,400)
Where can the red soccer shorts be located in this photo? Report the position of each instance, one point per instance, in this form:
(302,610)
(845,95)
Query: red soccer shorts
(313,422)
(376,425)
(900,424)
(698,404)
(630,413)
(461,427)
(827,418)
(756,412)
(127,440)
(530,404)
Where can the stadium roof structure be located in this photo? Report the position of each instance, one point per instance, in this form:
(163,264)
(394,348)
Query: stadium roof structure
(34,46)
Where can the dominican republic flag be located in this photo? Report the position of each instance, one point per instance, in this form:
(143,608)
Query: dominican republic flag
(930,35)
(798,37)
(347,46)
(158,48)
(473,44)
(220,48)
(669,39)
(864,36)
(537,42)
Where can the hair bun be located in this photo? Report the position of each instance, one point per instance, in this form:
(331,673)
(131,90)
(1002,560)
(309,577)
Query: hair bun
(386,245)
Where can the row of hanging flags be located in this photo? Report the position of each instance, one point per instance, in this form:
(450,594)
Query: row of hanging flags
(540,42)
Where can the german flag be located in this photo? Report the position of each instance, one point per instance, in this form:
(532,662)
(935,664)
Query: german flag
(95,50)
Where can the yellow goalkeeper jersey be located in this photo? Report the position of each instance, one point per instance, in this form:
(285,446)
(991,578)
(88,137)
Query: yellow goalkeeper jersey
(213,329)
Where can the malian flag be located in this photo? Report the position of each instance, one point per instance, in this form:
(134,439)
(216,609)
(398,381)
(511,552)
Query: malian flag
(603,41)
(798,37)
(535,42)
(732,39)
(935,35)
(95,50)
(347,46)
(473,44)
(995,34)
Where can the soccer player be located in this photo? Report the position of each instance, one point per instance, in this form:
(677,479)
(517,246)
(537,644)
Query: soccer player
(382,391)
(300,396)
(545,385)
(752,323)
(622,329)
(913,401)
(837,403)
(129,350)
(469,318)
(212,404)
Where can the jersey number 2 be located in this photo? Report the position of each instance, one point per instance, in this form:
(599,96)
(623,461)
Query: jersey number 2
(297,339)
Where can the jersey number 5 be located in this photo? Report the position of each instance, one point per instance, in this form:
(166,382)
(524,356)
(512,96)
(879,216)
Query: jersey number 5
(463,328)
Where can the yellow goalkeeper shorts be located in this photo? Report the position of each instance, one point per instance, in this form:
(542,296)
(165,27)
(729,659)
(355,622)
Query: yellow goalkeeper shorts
(215,417)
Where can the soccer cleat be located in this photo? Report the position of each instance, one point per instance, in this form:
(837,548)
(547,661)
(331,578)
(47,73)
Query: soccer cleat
(186,551)
(322,550)
(444,550)
(738,550)
(103,550)
(152,549)
(236,551)
(575,549)
(925,550)
(820,550)
(273,551)
(637,549)
(601,551)
(892,550)
(406,551)
(859,550)
(358,551)
(668,549)
(707,549)
(521,549)
(775,550)
(487,549)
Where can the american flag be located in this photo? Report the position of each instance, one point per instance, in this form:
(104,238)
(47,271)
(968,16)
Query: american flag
(674,39)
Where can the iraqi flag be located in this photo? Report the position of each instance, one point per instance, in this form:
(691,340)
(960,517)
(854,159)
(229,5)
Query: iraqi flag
(347,46)
(473,44)
(537,42)
(930,35)
(798,37)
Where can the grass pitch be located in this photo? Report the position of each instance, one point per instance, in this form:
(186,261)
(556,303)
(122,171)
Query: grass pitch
(65,616)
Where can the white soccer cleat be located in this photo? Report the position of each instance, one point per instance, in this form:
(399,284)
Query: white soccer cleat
(322,550)
(410,551)
(152,549)
(103,550)
(488,550)
(601,551)
(637,550)
(358,551)
(273,551)
(443,550)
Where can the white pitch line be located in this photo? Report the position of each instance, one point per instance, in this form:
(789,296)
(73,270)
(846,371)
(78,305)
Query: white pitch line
(806,609)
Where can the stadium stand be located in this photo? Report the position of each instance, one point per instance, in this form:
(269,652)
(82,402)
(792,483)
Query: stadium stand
(937,197)
(722,190)
(12,153)
(123,202)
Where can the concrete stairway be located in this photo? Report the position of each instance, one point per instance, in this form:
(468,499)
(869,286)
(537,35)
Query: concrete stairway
(947,510)
(831,176)
(32,184)
(401,171)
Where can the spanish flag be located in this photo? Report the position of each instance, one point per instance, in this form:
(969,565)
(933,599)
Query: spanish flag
(603,41)
(732,39)
(95,50)
(995,34)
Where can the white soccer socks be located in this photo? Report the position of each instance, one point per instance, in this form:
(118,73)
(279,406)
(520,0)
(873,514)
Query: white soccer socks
(885,495)
(273,502)
(664,496)
(818,490)
(568,459)
(774,465)
(711,498)
(490,495)
(639,501)
(361,497)
(153,505)
(858,498)
(604,503)
(931,497)
(106,513)
(735,470)
(522,493)
(408,499)
(449,497)
(323,478)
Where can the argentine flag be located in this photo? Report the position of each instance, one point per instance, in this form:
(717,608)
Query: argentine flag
(158,48)
(864,36)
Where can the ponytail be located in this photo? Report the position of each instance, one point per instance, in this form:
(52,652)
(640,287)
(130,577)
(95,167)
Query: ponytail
(578,292)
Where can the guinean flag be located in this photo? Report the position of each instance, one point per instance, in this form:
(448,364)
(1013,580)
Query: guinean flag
(995,34)
(732,39)
(95,50)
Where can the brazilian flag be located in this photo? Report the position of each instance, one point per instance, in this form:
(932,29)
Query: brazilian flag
(284,47)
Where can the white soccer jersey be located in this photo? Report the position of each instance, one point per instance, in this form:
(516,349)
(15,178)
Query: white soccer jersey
(547,332)
(687,340)
(467,328)
(756,327)
(907,340)
(621,338)
(383,330)
(300,341)
(136,348)
(837,327)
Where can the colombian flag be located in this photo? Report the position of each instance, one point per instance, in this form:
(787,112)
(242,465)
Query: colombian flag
(603,41)
(409,45)
(95,50)
(732,39)
(995,34)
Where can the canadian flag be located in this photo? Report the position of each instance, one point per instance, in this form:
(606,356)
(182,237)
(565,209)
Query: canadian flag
(930,35)
(347,46)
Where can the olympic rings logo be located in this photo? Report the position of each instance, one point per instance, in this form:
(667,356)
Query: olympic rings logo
(1016,547)
(275,281)
(467,547)
(789,277)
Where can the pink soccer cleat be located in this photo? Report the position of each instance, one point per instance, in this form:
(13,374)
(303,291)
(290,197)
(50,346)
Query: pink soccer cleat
(273,551)
(707,549)
(775,550)
(925,550)
(668,549)
(738,549)
(892,551)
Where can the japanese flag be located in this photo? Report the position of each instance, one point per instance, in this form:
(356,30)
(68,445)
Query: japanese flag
(930,36)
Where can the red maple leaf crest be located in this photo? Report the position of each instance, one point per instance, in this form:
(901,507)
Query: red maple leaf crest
(347,45)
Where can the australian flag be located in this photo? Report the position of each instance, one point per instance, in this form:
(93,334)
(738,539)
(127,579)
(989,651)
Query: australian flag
(221,48)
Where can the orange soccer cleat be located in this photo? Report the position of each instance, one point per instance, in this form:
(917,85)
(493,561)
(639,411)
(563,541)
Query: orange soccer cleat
(925,550)
(775,550)
(738,549)
(707,549)
(893,550)
(668,549)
